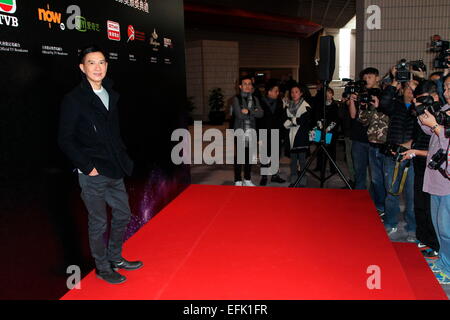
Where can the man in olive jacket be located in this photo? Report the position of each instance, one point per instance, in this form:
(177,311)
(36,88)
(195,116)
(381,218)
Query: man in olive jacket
(89,135)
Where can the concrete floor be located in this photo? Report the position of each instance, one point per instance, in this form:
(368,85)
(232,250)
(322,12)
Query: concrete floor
(224,175)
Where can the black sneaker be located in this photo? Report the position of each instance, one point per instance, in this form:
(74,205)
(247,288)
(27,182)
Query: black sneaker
(263,181)
(111,276)
(126,265)
(277,179)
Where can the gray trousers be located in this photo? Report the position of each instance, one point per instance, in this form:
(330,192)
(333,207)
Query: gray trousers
(349,159)
(298,163)
(96,192)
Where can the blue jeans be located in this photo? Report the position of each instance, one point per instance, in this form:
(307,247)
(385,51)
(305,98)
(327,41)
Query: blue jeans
(440,213)
(392,203)
(376,163)
(360,155)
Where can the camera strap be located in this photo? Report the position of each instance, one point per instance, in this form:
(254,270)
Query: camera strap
(445,171)
(403,180)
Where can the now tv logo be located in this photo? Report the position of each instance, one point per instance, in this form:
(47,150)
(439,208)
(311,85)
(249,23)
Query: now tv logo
(49,16)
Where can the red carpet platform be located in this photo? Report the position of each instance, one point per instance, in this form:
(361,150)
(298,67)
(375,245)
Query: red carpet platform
(228,243)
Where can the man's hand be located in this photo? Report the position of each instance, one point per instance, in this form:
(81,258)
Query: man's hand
(376,102)
(409,155)
(420,74)
(428,119)
(93,173)
(244,111)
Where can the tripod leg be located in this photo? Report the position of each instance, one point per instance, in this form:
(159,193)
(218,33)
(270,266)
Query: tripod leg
(332,162)
(305,169)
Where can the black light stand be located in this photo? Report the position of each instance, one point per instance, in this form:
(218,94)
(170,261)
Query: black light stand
(321,147)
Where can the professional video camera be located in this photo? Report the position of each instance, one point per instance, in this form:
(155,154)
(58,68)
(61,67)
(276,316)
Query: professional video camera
(403,69)
(353,87)
(359,88)
(442,48)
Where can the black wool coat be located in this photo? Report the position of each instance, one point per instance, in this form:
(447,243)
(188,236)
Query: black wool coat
(89,134)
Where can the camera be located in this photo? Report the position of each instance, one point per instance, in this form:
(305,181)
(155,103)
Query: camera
(443,119)
(395,151)
(365,97)
(427,103)
(438,160)
(442,48)
(443,60)
(403,74)
(403,69)
(354,87)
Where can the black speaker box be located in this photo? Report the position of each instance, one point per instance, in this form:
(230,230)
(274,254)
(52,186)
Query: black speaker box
(327,62)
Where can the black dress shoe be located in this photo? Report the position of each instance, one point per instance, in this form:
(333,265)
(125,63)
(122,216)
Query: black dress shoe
(263,181)
(277,179)
(111,276)
(126,265)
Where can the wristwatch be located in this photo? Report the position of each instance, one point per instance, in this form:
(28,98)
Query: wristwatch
(435,127)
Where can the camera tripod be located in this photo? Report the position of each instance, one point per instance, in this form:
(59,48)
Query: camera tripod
(321,147)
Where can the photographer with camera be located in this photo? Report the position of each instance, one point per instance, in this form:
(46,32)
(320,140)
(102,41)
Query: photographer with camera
(437,181)
(363,105)
(399,170)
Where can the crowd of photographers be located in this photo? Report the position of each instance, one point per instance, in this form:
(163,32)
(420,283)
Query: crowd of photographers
(400,134)
(396,131)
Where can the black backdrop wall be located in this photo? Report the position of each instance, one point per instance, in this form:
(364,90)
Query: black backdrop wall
(43,222)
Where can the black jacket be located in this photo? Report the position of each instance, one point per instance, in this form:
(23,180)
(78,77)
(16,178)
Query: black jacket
(401,126)
(89,134)
(271,120)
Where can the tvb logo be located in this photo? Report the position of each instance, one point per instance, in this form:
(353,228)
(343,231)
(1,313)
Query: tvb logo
(8,6)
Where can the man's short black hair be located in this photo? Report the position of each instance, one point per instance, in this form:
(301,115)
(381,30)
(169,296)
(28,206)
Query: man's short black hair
(369,71)
(247,77)
(90,49)
(427,86)
(438,73)
(272,83)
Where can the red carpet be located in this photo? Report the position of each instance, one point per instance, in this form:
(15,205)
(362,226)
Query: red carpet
(227,243)
(422,280)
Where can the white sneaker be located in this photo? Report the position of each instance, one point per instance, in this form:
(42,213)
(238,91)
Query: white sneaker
(238,184)
(391,231)
(248,183)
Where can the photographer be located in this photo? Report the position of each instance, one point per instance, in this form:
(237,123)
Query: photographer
(437,181)
(363,111)
(398,170)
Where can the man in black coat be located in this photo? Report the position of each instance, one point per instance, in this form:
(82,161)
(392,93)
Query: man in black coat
(89,135)
(272,106)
